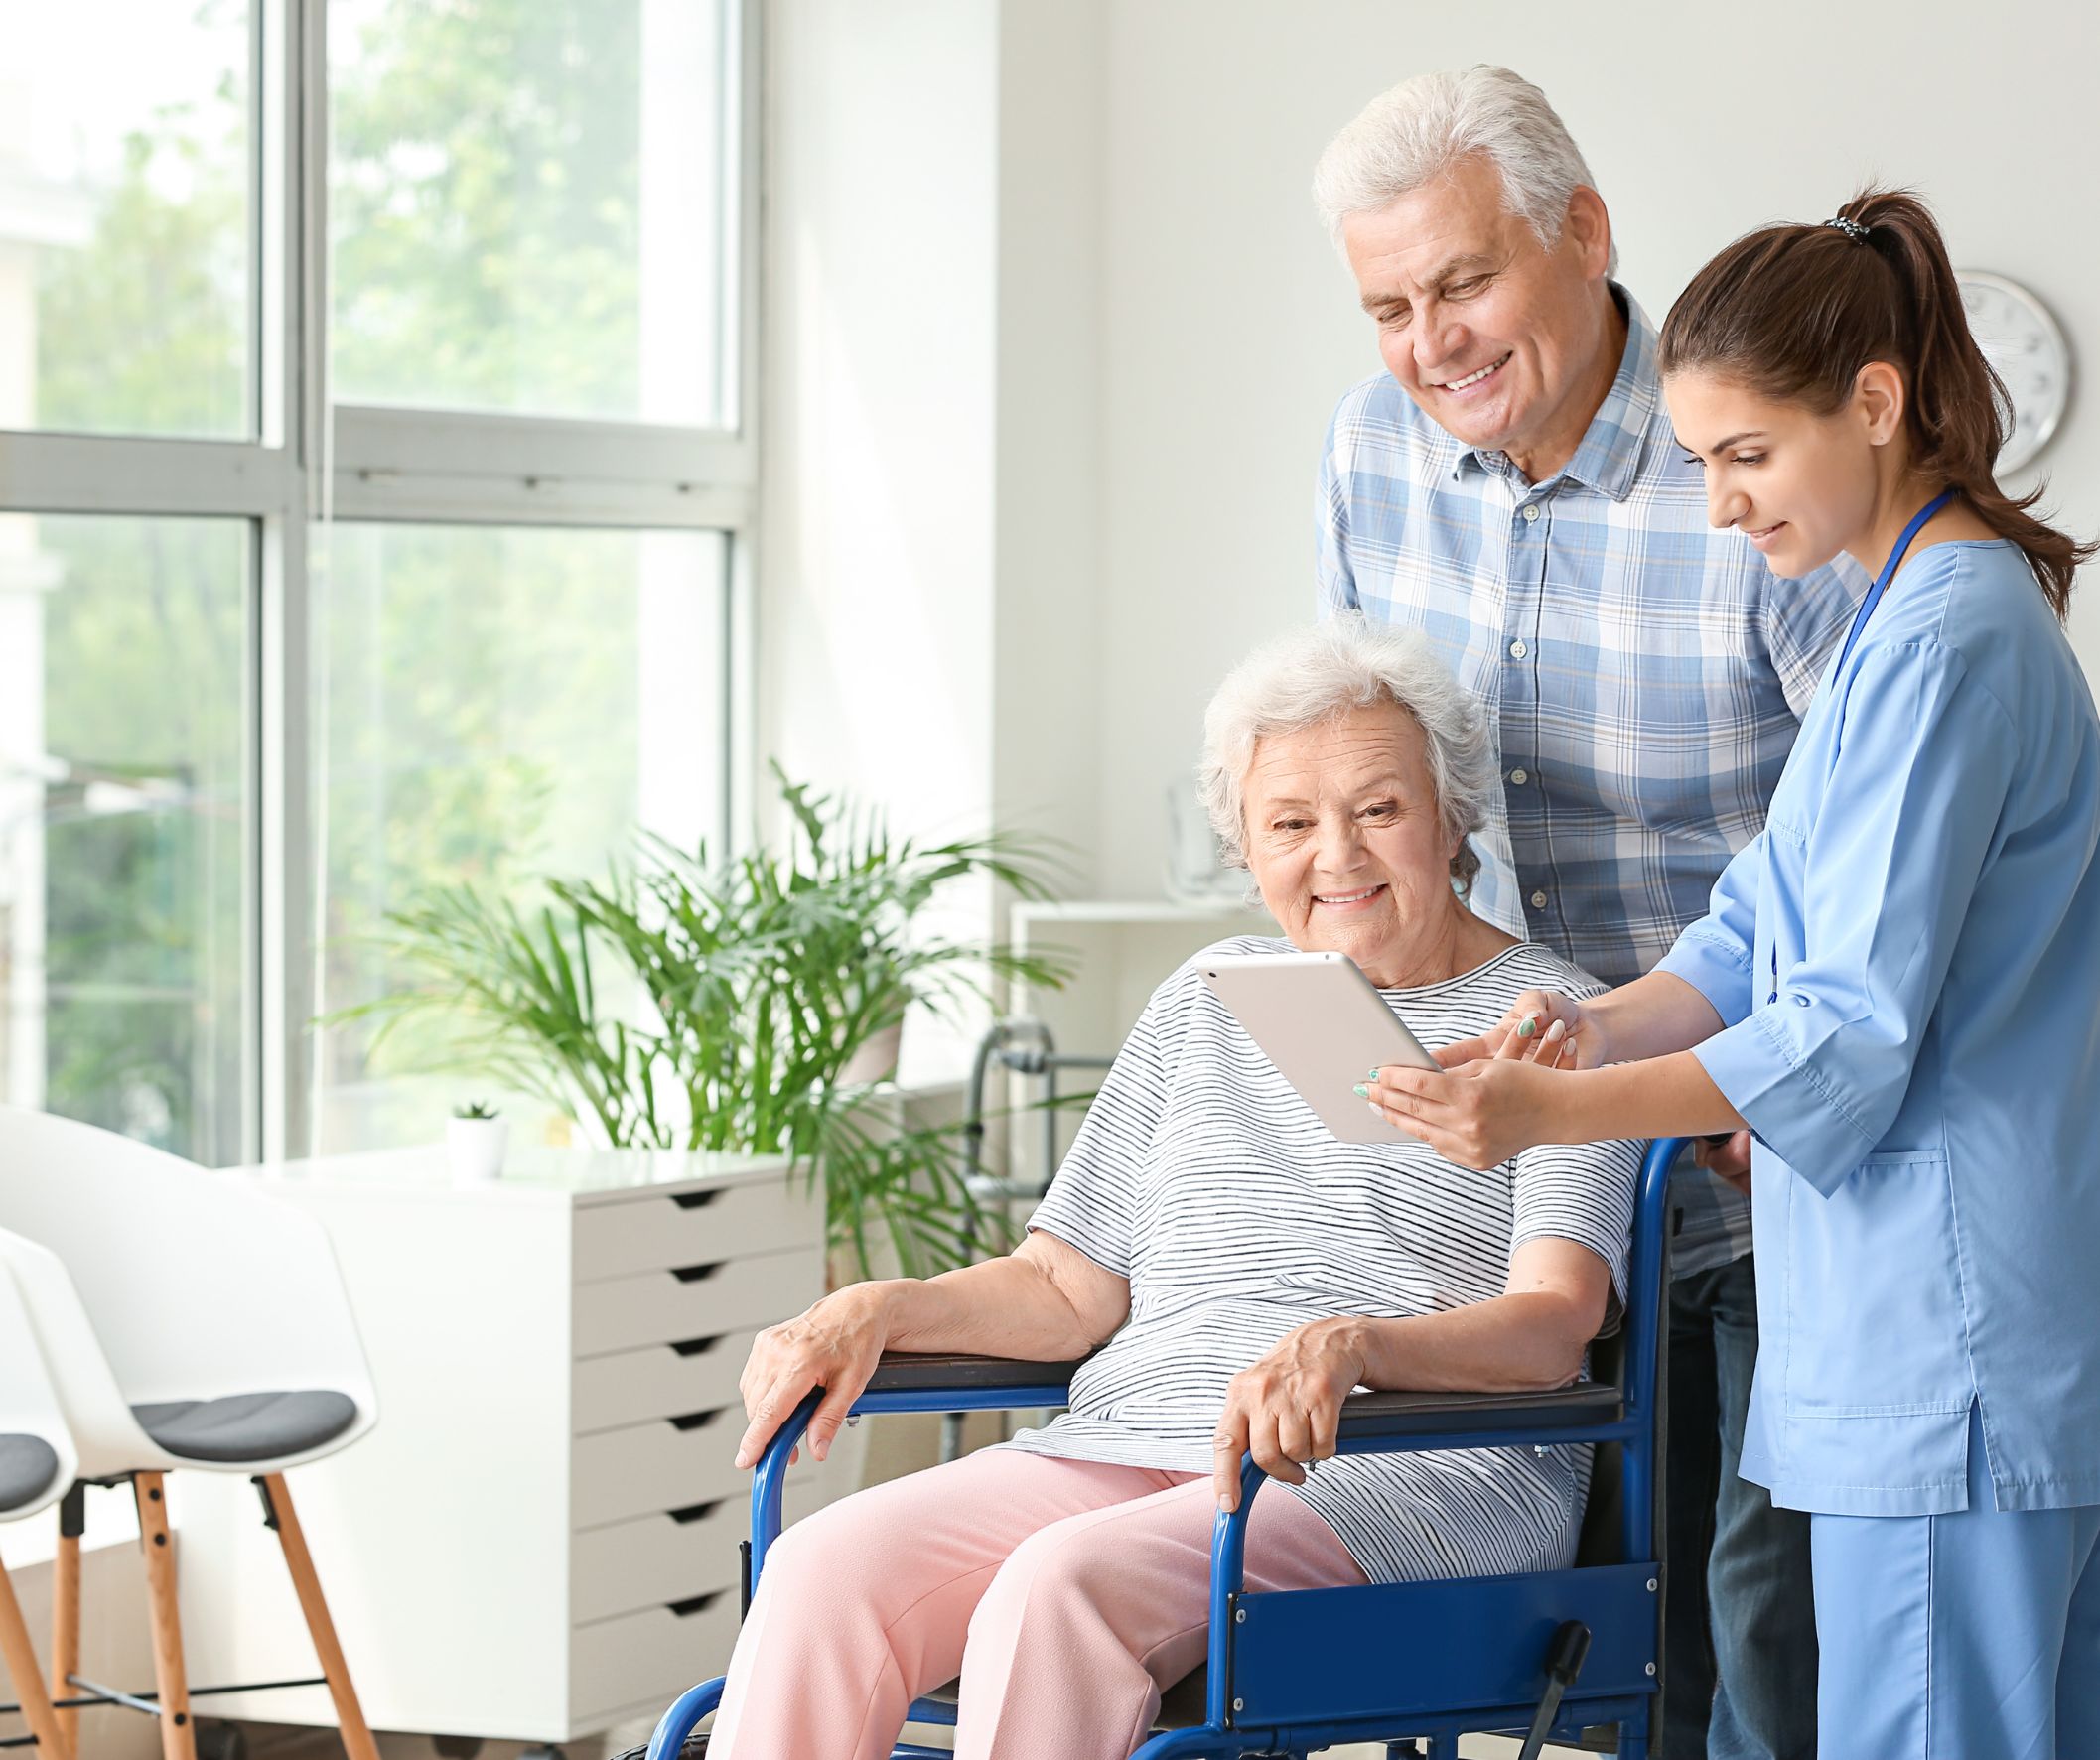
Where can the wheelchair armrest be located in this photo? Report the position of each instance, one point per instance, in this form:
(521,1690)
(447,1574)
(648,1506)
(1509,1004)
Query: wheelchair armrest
(933,1373)
(1369,1416)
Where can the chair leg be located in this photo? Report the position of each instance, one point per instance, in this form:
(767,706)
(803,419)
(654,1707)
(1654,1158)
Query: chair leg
(21,1658)
(350,1715)
(177,1734)
(66,1608)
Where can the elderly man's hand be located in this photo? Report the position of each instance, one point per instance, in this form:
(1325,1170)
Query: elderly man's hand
(1286,1409)
(1729,1161)
(1479,1115)
(834,1345)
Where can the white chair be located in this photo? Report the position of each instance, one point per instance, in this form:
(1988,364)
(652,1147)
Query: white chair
(187,1322)
(37,1465)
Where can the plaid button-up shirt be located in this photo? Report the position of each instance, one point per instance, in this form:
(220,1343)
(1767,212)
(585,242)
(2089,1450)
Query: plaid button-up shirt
(1646,673)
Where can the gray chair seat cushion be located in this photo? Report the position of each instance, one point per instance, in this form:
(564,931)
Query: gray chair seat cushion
(247,1428)
(27,1465)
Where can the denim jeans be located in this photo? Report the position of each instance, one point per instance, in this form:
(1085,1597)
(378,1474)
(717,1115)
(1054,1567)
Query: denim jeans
(1739,1635)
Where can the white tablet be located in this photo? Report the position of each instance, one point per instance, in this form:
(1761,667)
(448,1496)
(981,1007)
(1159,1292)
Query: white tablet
(1324,1026)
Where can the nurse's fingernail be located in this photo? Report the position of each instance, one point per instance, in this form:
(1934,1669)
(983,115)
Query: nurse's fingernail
(1527,1026)
(1361,1091)
(1373,1075)
(1556,1032)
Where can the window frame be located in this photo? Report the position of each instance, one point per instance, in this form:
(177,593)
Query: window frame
(310,464)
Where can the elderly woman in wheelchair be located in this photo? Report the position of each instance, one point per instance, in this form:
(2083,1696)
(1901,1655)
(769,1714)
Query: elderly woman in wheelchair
(1235,1271)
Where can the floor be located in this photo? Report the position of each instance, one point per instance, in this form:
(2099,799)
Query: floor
(281,1742)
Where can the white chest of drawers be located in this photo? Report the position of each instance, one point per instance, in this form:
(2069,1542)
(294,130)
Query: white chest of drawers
(539,1539)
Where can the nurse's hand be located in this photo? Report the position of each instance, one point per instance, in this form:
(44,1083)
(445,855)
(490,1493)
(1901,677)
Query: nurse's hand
(1478,1115)
(1286,1409)
(1541,1027)
(1731,1161)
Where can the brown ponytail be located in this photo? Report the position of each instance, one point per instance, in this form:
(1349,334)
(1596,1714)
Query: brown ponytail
(1794,312)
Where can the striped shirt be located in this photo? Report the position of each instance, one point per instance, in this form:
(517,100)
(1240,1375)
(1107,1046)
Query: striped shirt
(1201,1178)
(1646,673)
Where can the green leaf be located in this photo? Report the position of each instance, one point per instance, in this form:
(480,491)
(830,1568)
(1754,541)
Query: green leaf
(746,986)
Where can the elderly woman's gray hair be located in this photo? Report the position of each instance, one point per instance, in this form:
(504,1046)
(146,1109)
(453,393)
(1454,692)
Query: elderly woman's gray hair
(1316,674)
(1424,126)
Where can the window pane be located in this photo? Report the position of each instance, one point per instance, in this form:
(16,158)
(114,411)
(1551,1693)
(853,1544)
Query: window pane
(500,704)
(526,205)
(126,135)
(124,850)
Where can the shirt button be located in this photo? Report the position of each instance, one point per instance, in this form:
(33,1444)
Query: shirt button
(1520,778)
(1518,651)
(1538,901)
(1531,512)
(1800,1001)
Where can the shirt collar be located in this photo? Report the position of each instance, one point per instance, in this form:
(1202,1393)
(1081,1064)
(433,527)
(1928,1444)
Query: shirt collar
(1610,453)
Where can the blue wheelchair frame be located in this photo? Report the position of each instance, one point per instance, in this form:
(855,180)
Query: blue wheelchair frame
(1288,1673)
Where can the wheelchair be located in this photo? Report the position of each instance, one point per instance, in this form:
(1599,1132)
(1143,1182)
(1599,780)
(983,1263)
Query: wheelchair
(1555,1654)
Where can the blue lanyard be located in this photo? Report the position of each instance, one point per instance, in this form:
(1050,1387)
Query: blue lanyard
(1859,622)
(1888,574)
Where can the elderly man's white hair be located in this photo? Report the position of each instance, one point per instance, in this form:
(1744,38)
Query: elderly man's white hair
(1318,674)
(1424,126)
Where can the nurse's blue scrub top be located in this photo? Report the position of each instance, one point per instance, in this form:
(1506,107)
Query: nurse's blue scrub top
(1908,966)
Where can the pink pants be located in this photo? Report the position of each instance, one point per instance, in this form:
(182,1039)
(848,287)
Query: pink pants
(1065,1594)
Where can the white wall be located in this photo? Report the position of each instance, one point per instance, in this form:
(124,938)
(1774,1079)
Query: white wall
(1053,333)
(1046,715)
(931,403)
(878,401)
(926,628)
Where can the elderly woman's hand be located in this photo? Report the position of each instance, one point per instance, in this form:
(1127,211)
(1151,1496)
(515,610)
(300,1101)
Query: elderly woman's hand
(834,1345)
(1479,1115)
(1541,1027)
(1286,1409)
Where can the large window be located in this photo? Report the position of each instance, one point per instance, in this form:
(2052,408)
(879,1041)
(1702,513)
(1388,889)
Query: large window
(524,207)
(498,699)
(126,863)
(375,471)
(127,219)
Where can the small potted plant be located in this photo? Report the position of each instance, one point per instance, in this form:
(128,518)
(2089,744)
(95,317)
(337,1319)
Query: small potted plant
(474,1139)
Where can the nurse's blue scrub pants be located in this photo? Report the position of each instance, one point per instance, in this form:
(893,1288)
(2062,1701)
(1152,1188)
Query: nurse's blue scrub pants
(1973,1636)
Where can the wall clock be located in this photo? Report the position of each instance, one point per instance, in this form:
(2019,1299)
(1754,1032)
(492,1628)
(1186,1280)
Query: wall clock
(2023,342)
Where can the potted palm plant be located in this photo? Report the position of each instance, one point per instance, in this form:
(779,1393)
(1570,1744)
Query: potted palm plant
(750,1004)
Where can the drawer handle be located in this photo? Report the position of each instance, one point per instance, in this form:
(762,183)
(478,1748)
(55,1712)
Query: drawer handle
(697,1347)
(694,1420)
(694,1274)
(695,1200)
(694,1512)
(698,1604)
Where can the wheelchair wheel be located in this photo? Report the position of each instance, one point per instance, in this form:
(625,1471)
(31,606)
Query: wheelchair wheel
(695,1749)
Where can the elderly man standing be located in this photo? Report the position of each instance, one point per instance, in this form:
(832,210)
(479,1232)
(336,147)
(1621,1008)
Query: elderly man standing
(1510,483)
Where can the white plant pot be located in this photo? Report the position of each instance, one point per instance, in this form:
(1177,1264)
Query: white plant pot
(476,1148)
(875,1060)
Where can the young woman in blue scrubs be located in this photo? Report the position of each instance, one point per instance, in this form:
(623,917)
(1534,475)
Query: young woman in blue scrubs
(1896,993)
